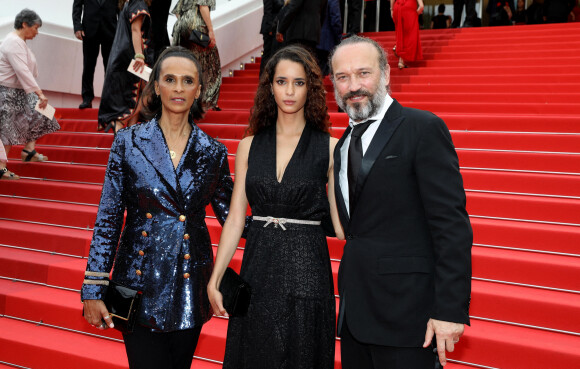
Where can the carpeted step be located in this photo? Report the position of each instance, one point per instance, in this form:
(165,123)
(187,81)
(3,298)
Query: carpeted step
(41,347)
(521,182)
(72,215)
(53,270)
(60,154)
(60,191)
(563,143)
(526,235)
(527,267)
(57,171)
(543,162)
(47,238)
(495,344)
(543,209)
(77,139)
(79,125)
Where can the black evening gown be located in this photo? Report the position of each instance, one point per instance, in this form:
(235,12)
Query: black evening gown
(290,322)
(121,90)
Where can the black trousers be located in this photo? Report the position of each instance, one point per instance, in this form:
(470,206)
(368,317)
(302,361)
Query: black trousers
(155,350)
(91,48)
(354,14)
(358,355)
(470,13)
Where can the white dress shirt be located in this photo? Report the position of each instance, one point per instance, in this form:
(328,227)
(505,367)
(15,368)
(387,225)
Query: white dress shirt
(366,139)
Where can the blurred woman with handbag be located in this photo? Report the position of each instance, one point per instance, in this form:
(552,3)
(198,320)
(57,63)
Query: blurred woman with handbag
(194,15)
(163,173)
(121,97)
(20,123)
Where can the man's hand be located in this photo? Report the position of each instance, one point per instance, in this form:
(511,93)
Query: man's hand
(80,34)
(447,334)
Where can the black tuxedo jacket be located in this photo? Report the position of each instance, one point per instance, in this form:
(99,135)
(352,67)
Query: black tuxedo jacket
(302,20)
(98,16)
(407,256)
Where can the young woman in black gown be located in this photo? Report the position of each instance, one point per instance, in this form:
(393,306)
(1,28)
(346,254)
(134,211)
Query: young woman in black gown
(282,169)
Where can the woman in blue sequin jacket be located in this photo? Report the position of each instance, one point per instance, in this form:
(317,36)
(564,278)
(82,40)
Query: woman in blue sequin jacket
(163,173)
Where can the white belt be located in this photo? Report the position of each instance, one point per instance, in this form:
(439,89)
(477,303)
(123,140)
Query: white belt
(282,221)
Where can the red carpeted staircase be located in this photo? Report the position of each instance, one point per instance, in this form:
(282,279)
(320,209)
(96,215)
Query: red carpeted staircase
(509,95)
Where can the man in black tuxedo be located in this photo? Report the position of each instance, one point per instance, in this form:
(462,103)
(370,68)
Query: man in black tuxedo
(405,274)
(97,29)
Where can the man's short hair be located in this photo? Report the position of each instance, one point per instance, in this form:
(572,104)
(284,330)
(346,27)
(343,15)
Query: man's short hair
(383,65)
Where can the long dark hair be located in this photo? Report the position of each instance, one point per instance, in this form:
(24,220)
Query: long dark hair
(152,102)
(265,111)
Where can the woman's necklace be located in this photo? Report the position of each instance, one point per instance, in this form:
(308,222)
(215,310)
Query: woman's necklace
(173,142)
(172,153)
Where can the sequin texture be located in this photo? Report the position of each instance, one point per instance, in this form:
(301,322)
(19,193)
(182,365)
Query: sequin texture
(141,179)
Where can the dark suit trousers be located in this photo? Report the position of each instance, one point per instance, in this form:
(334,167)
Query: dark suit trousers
(354,14)
(358,355)
(154,350)
(91,48)
(470,13)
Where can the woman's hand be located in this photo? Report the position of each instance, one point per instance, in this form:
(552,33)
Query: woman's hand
(96,314)
(139,65)
(279,37)
(216,300)
(212,41)
(420,8)
(43,101)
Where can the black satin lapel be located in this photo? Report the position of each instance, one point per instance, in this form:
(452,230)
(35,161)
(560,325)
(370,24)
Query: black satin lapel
(342,211)
(152,145)
(379,141)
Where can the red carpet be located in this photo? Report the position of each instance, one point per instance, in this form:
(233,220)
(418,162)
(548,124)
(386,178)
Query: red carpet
(510,97)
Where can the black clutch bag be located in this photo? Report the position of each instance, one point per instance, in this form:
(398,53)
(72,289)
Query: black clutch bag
(236,293)
(199,38)
(123,304)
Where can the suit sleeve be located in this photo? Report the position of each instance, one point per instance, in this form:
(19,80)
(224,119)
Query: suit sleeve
(268,17)
(443,197)
(335,19)
(287,14)
(108,225)
(77,15)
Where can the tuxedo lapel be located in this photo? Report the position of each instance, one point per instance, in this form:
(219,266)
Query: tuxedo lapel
(381,138)
(151,143)
(342,211)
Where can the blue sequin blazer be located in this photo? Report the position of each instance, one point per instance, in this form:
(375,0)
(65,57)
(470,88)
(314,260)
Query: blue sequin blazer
(164,249)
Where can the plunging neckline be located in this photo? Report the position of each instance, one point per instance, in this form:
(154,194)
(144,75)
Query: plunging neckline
(291,157)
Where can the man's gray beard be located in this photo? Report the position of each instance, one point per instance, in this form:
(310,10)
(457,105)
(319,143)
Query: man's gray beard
(359,112)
